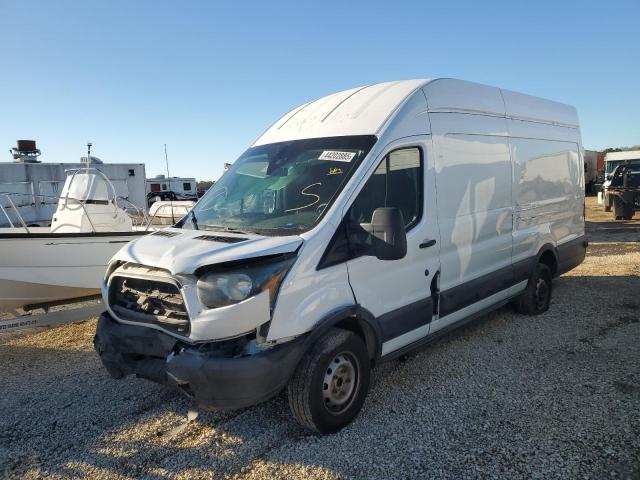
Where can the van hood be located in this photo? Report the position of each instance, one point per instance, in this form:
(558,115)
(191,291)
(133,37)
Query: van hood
(183,251)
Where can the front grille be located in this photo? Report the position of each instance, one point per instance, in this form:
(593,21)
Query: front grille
(149,301)
(218,238)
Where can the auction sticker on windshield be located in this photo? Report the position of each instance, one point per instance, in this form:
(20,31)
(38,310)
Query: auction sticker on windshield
(336,156)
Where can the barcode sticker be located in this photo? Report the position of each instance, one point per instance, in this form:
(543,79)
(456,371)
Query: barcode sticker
(336,156)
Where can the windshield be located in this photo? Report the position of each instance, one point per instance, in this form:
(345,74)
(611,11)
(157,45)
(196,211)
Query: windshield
(280,188)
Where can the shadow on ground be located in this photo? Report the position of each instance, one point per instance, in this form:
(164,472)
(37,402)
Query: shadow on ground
(555,395)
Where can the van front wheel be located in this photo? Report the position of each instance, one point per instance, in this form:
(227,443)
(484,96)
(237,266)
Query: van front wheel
(537,296)
(329,385)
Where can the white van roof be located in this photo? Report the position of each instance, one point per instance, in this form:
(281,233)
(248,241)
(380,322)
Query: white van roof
(366,110)
(358,111)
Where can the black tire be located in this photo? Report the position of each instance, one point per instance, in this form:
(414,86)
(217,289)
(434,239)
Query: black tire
(329,385)
(537,296)
(618,208)
(628,210)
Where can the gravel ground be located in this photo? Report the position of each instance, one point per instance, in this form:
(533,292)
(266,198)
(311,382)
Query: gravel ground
(555,396)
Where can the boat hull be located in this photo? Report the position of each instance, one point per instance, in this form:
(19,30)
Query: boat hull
(17,294)
(39,268)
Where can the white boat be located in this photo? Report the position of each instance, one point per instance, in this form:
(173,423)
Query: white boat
(44,265)
(168,212)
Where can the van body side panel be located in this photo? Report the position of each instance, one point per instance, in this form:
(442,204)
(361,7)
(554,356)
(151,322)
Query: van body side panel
(307,295)
(412,119)
(451,95)
(473,175)
(571,254)
(540,110)
(543,131)
(548,194)
(548,176)
(472,291)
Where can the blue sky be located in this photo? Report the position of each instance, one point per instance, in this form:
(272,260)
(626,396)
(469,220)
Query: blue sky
(207,78)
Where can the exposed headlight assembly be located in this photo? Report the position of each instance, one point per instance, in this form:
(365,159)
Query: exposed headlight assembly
(226,284)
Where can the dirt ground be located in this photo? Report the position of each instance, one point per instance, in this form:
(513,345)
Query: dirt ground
(508,396)
(601,226)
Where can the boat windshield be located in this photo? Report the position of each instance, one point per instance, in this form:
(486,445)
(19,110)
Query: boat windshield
(280,188)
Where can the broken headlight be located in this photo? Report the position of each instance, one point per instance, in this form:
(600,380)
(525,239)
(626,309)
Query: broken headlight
(226,284)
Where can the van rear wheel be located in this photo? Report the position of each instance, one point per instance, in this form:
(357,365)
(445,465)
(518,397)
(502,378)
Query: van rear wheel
(329,385)
(537,296)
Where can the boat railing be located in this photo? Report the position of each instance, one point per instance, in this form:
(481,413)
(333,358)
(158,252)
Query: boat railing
(15,210)
(66,198)
(21,219)
(138,215)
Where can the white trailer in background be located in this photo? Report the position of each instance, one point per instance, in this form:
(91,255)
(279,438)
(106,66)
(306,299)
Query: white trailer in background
(613,159)
(172,188)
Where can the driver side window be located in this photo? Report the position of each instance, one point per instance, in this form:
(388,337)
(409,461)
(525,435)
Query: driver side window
(397,182)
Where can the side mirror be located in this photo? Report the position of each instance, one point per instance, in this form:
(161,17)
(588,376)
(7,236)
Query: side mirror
(389,235)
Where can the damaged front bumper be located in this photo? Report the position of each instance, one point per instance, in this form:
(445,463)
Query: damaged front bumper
(214,381)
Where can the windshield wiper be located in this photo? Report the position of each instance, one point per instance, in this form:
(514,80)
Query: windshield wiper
(227,229)
(238,230)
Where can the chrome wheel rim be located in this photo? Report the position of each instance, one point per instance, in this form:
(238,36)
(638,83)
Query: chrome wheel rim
(542,292)
(340,383)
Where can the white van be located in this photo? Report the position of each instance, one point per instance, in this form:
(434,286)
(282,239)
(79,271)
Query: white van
(358,227)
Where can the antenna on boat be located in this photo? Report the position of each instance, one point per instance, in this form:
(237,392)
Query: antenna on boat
(166,159)
(89,145)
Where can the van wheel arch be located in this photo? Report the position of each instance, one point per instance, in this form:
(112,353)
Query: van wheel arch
(548,255)
(355,319)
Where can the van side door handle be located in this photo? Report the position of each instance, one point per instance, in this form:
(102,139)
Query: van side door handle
(427,243)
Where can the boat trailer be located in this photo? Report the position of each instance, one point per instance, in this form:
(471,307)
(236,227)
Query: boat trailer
(47,315)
